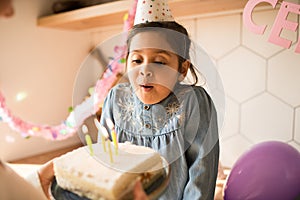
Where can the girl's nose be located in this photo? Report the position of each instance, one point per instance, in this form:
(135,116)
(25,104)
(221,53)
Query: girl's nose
(145,71)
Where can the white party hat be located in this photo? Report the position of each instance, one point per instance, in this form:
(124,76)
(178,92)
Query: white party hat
(152,11)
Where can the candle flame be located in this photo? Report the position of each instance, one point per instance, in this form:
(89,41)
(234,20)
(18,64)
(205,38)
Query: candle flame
(84,129)
(97,123)
(110,124)
(104,131)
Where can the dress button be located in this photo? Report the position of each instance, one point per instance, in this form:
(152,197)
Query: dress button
(146,107)
(148,126)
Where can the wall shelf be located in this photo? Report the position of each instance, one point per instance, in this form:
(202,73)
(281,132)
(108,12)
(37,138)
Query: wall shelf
(112,13)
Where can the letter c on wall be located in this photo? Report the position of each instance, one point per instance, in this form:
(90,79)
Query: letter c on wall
(247,15)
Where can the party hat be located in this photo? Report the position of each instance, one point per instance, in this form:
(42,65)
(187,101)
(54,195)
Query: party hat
(152,11)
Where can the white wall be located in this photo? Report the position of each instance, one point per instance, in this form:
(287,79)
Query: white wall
(43,63)
(261,80)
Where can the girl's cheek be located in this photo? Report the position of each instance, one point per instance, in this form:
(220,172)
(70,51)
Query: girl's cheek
(132,73)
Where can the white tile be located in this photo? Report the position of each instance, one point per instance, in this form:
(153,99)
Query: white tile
(259,43)
(220,34)
(218,98)
(266,118)
(243,74)
(232,119)
(232,149)
(297,126)
(283,76)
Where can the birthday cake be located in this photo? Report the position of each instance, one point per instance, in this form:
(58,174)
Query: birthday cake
(98,177)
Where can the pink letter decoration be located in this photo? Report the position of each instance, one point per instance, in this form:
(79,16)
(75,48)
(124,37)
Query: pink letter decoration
(247,15)
(280,23)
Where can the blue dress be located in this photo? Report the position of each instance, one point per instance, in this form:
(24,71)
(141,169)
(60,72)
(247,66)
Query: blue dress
(182,128)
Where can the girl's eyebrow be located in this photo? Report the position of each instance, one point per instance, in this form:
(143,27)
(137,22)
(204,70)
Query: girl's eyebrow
(158,51)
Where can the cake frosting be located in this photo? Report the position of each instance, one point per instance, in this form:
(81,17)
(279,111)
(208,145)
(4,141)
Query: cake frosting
(96,177)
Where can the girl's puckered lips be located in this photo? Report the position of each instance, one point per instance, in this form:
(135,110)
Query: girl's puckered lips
(146,88)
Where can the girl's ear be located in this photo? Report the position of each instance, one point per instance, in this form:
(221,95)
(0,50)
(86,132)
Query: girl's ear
(184,69)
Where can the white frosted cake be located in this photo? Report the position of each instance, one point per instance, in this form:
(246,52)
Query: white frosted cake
(96,177)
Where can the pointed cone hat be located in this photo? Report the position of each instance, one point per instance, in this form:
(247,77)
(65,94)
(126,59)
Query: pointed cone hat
(152,11)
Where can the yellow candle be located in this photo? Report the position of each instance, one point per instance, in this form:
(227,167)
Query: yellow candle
(114,138)
(113,134)
(110,153)
(103,143)
(105,135)
(88,139)
(89,142)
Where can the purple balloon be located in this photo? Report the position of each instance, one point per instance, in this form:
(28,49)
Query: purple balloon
(268,171)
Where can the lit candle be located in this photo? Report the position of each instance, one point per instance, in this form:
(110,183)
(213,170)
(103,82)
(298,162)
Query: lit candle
(98,125)
(105,133)
(111,126)
(88,139)
(110,153)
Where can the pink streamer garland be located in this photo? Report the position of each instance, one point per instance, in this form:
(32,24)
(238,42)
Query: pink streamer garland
(69,127)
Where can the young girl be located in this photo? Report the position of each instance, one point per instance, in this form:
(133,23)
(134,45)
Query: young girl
(154,109)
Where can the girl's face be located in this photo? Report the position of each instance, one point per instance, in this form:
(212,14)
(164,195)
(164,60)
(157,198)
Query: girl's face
(153,67)
(152,73)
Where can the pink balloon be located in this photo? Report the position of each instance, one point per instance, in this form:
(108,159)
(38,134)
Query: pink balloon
(268,171)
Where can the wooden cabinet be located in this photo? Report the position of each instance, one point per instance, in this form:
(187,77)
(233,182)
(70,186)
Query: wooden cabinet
(112,13)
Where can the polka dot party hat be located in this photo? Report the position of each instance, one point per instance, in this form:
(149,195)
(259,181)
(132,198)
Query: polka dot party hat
(152,11)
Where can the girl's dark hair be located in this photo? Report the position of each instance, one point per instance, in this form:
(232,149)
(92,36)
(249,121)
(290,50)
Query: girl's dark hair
(179,42)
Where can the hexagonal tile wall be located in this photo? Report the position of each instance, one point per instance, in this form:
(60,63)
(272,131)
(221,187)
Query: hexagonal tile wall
(266,117)
(226,31)
(232,148)
(283,76)
(232,119)
(243,74)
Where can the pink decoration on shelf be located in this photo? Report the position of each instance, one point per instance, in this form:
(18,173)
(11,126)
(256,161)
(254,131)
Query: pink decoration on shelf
(115,67)
(70,125)
(28,129)
(281,22)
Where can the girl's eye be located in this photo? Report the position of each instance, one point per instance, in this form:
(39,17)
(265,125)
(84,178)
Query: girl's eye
(160,62)
(137,61)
